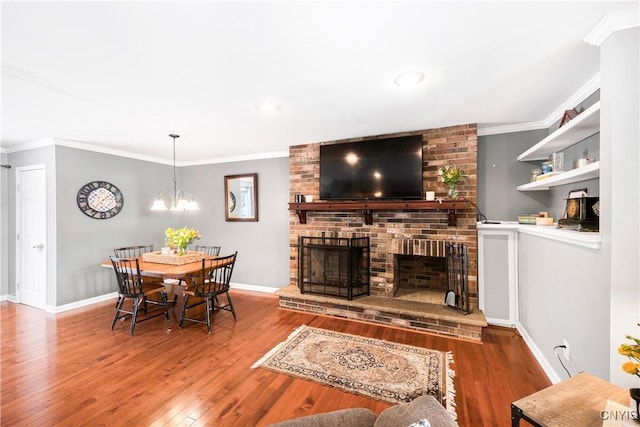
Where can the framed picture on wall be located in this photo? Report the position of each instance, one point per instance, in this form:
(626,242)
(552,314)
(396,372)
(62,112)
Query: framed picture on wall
(241,197)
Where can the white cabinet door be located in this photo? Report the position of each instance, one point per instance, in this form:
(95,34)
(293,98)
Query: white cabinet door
(497,276)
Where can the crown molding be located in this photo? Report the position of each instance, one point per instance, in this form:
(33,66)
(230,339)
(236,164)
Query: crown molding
(38,143)
(583,93)
(511,128)
(259,156)
(615,21)
(122,153)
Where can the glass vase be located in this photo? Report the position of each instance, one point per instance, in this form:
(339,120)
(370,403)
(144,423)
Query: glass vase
(452,192)
(182,250)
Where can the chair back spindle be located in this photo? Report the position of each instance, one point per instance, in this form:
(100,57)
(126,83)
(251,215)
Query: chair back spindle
(128,276)
(132,251)
(215,275)
(209,250)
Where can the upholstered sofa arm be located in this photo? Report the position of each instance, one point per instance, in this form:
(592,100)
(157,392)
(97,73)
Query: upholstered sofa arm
(421,408)
(400,415)
(355,417)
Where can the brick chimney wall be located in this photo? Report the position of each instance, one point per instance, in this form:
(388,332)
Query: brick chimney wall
(450,146)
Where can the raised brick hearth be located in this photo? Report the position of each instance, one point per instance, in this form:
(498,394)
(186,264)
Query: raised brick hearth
(390,230)
(392,312)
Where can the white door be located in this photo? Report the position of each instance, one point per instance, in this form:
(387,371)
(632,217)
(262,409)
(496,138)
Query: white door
(31,246)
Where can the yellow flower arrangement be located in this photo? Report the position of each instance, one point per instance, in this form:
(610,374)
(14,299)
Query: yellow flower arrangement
(452,175)
(181,238)
(632,351)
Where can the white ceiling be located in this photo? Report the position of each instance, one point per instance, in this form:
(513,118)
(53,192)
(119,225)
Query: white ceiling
(123,75)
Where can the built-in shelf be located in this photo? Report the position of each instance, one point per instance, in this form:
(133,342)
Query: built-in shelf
(368,207)
(575,175)
(583,126)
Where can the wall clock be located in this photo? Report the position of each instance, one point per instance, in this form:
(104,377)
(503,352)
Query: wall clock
(100,200)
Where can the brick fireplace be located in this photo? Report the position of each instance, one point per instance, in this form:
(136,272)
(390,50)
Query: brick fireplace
(391,229)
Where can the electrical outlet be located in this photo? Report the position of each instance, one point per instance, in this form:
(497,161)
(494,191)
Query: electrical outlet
(565,343)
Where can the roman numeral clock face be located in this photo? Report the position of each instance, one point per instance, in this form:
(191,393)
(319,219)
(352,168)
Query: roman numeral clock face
(100,200)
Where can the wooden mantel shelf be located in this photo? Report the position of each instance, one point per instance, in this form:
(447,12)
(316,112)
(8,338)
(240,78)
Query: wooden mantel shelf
(367,207)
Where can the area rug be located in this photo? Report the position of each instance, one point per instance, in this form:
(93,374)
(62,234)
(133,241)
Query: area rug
(378,369)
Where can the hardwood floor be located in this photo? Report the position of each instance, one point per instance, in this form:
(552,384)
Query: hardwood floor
(70,369)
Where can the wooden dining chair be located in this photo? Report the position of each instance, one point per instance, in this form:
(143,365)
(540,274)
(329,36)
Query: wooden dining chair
(209,250)
(131,286)
(132,251)
(135,252)
(212,281)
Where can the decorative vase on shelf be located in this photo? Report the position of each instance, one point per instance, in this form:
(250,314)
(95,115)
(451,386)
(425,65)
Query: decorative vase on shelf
(452,192)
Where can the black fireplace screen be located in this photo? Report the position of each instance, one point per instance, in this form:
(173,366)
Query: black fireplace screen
(334,266)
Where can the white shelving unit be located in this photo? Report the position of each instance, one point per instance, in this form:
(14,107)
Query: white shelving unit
(583,126)
(575,175)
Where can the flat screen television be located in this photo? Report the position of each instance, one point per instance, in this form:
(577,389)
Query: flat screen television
(388,168)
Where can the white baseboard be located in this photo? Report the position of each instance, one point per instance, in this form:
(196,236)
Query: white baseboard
(544,363)
(500,322)
(10,298)
(113,295)
(79,304)
(253,288)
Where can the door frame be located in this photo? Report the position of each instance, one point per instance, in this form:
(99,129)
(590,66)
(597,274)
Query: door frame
(18,228)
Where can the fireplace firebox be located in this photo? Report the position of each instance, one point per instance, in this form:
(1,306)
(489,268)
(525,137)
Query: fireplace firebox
(434,267)
(334,266)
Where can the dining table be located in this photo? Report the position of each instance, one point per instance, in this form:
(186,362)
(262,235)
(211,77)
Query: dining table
(179,273)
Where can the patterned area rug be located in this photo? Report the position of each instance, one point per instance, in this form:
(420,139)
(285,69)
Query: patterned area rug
(379,369)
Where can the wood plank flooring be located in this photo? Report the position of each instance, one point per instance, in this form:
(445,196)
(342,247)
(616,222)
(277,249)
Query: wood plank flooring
(70,369)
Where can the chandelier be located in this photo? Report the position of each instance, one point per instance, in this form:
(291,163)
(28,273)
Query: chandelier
(180,200)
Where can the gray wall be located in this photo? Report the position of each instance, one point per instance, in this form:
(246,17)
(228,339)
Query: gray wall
(263,246)
(499,174)
(84,242)
(562,294)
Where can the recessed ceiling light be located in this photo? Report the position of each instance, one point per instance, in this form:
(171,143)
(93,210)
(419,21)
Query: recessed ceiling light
(268,106)
(409,78)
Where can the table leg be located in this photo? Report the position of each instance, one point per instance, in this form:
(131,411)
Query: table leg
(516,415)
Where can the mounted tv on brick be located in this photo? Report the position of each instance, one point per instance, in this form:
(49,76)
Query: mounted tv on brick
(379,169)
